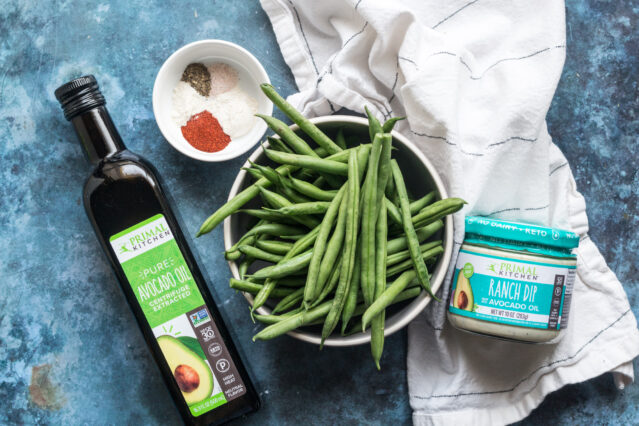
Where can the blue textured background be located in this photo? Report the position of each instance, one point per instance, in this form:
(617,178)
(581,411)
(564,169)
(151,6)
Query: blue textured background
(60,303)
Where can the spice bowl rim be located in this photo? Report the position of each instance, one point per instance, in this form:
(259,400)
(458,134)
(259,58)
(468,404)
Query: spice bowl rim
(161,110)
(398,320)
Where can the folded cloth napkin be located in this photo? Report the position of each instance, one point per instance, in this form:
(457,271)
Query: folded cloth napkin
(475,80)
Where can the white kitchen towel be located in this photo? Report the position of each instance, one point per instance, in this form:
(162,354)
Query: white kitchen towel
(475,80)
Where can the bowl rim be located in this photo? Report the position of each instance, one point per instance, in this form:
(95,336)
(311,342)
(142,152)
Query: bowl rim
(201,155)
(418,304)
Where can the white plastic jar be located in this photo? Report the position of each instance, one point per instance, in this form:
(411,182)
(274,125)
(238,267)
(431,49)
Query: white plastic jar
(513,280)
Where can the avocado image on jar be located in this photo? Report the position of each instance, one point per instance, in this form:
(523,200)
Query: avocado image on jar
(463,298)
(191,373)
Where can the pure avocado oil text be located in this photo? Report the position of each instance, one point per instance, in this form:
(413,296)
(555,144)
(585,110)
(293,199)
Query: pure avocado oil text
(156,270)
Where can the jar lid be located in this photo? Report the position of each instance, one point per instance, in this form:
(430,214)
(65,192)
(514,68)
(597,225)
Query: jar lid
(522,236)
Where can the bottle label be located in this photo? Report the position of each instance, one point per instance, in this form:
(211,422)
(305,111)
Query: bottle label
(174,308)
(512,291)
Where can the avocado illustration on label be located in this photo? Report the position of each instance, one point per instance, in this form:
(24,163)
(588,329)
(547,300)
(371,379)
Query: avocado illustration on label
(463,298)
(191,373)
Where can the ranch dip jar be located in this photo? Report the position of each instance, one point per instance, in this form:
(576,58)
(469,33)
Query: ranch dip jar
(513,280)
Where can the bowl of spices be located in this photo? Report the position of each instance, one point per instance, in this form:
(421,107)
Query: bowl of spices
(205,98)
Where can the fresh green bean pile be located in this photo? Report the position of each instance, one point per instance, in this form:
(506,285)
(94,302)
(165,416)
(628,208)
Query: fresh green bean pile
(343,237)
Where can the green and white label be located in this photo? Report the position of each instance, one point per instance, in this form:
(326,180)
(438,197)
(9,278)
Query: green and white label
(512,291)
(174,308)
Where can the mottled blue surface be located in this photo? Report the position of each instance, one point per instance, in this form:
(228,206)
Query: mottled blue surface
(61,305)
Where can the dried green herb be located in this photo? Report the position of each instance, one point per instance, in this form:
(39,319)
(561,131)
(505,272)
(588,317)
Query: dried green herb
(197,75)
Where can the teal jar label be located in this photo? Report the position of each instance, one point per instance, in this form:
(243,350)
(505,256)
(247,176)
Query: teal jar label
(521,236)
(512,291)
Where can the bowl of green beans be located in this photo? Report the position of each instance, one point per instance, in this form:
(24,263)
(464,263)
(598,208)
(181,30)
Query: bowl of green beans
(338,230)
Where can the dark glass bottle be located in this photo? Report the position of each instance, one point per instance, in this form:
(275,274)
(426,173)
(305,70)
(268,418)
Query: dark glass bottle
(156,270)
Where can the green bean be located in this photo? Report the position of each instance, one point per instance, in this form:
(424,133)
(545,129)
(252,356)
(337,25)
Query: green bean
(284,267)
(274,319)
(255,174)
(280,201)
(277,144)
(289,301)
(393,211)
(244,265)
(391,194)
(349,250)
(274,246)
(387,297)
(306,161)
(353,290)
(271,216)
(377,324)
(257,253)
(387,127)
(408,263)
(374,126)
(268,172)
(369,218)
(331,283)
(305,174)
(310,190)
(333,248)
(298,144)
(417,205)
(293,195)
(362,159)
(411,236)
(320,246)
(339,138)
(342,156)
(242,198)
(269,285)
(233,253)
(398,244)
(400,256)
(294,321)
(314,207)
(409,293)
(234,204)
(384,167)
(253,288)
(307,127)
(438,210)
(319,182)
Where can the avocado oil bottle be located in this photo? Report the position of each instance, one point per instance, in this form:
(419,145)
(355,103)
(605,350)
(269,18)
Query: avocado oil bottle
(156,270)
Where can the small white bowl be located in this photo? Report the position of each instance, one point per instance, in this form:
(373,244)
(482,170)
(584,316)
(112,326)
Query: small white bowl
(251,75)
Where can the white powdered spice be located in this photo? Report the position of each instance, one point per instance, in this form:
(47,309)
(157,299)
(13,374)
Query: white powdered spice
(186,103)
(223,78)
(234,109)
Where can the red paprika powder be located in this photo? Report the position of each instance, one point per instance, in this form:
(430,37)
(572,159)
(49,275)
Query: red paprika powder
(204,133)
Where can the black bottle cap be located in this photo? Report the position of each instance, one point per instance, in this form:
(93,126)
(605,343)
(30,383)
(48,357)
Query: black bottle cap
(79,95)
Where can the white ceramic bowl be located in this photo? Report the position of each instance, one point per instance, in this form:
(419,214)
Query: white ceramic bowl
(421,177)
(251,75)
